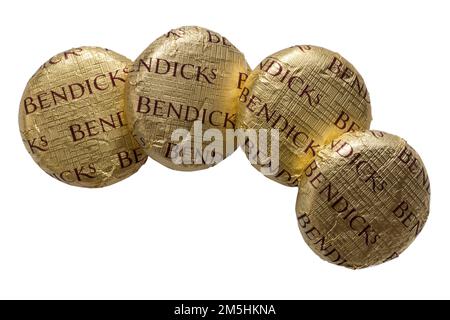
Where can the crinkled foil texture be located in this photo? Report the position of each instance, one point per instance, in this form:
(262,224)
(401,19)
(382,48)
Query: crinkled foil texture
(363,200)
(311,95)
(189,74)
(72,118)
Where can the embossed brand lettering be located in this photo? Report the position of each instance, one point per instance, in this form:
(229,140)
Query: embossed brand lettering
(415,168)
(295,83)
(176,69)
(275,120)
(127,158)
(66,93)
(38,144)
(345,73)
(363,168)
(344,123)
(408,218)
(341,205)
(167,109)
(81,173)
(92,128)
(320,242)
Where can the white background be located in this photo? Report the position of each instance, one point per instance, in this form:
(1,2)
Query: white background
(226,232)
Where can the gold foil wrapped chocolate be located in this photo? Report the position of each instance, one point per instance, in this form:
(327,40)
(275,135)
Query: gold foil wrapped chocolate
(72,118)
(311,95)
(363,200)
(188,79)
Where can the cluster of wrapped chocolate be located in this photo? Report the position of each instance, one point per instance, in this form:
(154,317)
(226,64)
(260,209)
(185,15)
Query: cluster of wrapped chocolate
(90,117)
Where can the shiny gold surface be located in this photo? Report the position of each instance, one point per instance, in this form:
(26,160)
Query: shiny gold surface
(72,118)
(188,74)
(363,200)
(311,95)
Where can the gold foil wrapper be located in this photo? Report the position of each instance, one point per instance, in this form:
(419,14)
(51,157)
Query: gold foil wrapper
(363,200)
(188,75)
(72,118)
(311,95)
